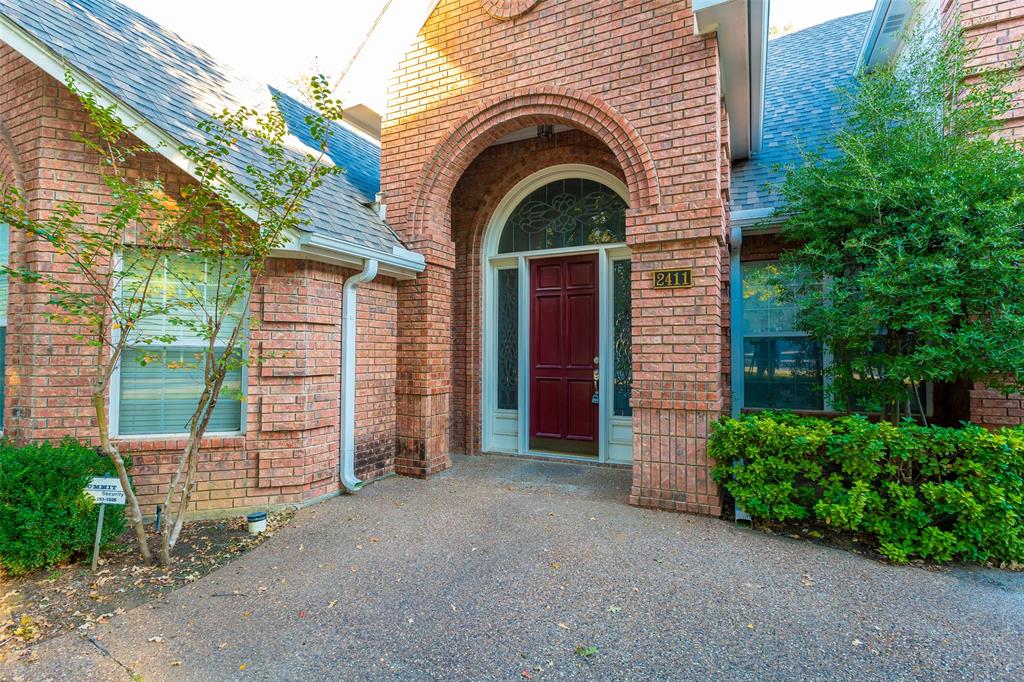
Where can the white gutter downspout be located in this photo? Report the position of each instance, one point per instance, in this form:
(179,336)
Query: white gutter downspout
(346,466)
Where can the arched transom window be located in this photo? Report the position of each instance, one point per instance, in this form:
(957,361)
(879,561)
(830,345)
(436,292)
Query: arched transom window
(565,213)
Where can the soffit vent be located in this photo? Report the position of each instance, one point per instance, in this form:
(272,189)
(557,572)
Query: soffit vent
(893,23)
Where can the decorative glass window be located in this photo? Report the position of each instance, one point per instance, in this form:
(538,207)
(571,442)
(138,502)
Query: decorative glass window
(508,339)
(5,250)
(565,213)
(161,378)
(782,366)
(622,337)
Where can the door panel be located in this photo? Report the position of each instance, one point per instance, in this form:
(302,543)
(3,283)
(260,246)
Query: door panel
(580,425)
(563,346)
(548,321)
(581,327)
(547,395)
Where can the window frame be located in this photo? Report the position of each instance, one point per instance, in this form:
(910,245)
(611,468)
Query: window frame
(826,357)
(826,362)
(114,414)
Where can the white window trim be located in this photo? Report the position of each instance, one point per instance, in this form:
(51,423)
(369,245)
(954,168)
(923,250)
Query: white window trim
(493,261)
(114,415)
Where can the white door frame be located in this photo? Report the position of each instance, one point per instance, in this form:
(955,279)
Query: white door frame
(508,430)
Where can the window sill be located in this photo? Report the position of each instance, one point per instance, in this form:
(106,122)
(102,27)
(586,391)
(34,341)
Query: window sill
(211,441)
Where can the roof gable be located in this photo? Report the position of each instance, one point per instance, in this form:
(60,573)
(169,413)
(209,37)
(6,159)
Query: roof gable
(173,85)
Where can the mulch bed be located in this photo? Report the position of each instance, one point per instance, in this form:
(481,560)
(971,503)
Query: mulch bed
(70,597)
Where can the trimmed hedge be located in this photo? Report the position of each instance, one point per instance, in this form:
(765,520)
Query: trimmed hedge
(45,517)
(935,493)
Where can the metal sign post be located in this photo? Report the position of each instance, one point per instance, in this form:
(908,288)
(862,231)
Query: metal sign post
(105,490)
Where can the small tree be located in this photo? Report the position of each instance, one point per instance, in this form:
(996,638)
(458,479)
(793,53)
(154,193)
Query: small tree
(908,240)
(235,235)
(124,288)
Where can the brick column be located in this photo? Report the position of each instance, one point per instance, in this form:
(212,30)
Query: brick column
(678,383)
(423,390)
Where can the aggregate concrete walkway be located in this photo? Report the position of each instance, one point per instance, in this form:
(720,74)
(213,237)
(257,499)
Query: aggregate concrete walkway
(500,568)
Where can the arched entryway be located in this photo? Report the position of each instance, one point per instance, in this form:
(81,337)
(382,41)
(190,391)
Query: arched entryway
(556,347)
(443,196)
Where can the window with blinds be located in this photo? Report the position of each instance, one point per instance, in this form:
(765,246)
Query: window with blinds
(161,376)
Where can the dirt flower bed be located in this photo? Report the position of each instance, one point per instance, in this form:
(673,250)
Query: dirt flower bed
(71,597)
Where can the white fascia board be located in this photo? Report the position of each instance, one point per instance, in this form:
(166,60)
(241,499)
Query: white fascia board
(398,263)
(742,28)
(402,262)
(758,23)
(754,217)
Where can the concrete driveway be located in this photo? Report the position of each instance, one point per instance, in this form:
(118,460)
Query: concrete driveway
(501,568)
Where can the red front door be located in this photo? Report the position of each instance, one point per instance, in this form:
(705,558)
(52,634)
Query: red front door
(563,354)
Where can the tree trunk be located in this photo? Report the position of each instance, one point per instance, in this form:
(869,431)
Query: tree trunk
(107,447)
(187,465)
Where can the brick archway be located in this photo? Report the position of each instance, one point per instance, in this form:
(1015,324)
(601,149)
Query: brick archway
(499,117)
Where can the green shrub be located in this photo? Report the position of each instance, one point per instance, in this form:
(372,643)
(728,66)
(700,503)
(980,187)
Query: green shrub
(935,493)
(45,517)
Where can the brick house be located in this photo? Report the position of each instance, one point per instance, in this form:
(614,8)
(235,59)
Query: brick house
(573,192)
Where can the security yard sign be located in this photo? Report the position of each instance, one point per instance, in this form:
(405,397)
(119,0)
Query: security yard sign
(105,490)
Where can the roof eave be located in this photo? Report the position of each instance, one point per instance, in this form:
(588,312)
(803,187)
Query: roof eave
(37,52)
(753,220)
(399,262)
(742,28)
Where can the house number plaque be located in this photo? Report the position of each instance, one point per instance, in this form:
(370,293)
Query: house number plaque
(673,279)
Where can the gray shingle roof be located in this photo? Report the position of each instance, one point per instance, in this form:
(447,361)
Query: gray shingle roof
(174,85)
(806,72)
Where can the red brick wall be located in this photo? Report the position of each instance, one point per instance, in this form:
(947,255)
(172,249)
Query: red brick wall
(636,78)
(290,448)
(995,30)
